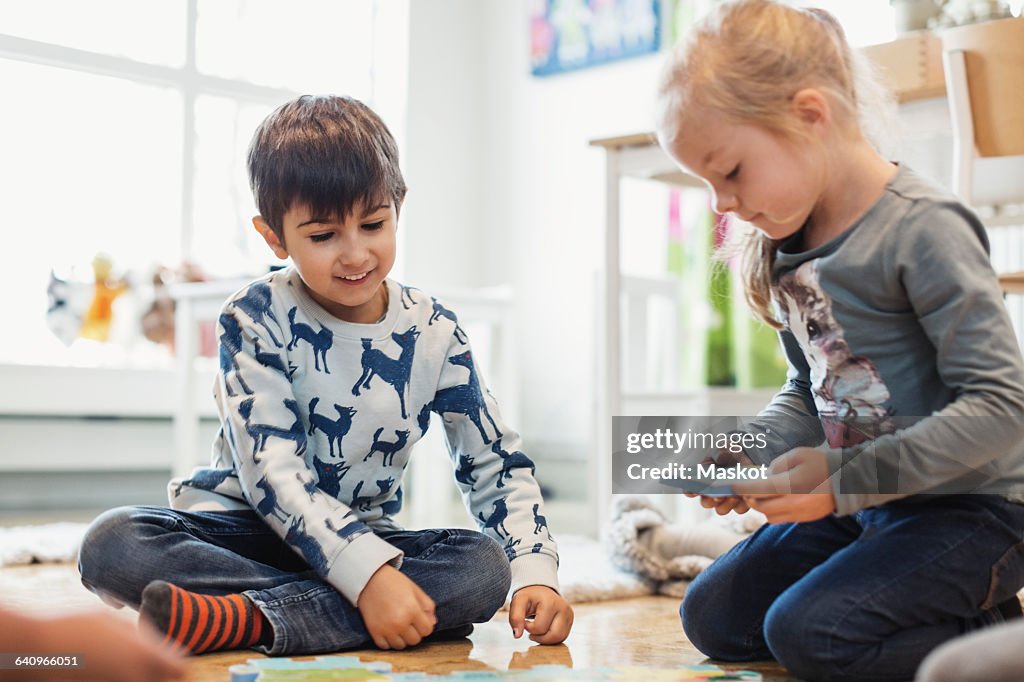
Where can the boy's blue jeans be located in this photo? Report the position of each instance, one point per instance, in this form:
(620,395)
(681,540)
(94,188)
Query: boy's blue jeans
(466,573)
(862,597)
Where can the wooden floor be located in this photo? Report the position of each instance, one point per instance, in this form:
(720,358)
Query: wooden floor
(643,632)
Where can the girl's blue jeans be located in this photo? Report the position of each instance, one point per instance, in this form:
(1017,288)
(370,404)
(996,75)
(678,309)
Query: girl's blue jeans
(465,573)
(861,597)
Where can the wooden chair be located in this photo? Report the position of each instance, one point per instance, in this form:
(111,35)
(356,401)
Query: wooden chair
(984,65)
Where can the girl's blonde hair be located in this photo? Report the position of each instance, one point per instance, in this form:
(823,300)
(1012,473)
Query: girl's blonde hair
(746,60)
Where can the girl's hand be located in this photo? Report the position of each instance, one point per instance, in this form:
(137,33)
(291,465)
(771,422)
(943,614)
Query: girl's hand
(797,488)
(724,505)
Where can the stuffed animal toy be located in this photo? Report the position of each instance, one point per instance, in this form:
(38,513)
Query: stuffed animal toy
(642,541)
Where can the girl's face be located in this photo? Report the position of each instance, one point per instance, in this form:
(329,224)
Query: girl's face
(758,175)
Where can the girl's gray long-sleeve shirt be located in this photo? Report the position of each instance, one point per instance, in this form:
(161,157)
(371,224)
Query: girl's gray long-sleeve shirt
(902,358)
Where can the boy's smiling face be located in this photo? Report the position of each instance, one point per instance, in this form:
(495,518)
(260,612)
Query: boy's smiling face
(342,261)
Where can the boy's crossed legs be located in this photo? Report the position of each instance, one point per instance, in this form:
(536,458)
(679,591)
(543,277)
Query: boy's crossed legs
(465,573)
(863,597)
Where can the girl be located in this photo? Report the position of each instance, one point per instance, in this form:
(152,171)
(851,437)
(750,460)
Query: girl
(904,373)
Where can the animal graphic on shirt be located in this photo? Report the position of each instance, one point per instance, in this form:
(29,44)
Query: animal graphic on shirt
(268,506)
(230,347)
(274,361)
(406,294)
(387,448)
(511,460)
(206,479)
(466,399)
(256,304)
(260,433)
(439,312)
(334,429)
(306,544)
(329,475)
(540,522)
(497,518)
(848,390)
(350,531)
(309,485)
(464,474)
(320,341)
(360,502)
(394,371)
(423,418)
(394,505)
(537,547)
(510,546)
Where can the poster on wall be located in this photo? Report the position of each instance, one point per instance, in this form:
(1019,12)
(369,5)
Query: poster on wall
(566,35)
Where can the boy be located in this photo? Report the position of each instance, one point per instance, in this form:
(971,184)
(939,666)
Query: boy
(329,372)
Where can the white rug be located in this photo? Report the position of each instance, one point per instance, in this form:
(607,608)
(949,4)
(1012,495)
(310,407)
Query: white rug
(586,573)
(50,543)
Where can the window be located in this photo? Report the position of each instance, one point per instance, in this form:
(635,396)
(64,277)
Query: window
(124,133)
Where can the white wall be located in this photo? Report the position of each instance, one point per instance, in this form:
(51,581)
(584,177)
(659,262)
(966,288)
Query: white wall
(444,213)
(545,208)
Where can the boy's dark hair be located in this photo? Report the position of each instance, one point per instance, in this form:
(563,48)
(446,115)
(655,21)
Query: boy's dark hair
(331,153)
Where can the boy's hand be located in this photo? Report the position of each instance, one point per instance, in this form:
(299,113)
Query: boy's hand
(797,488)
(542,612)
(396,611)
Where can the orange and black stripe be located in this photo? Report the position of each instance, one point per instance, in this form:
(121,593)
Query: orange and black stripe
(199,622)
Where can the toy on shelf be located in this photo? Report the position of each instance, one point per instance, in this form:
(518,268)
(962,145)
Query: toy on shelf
(97,318)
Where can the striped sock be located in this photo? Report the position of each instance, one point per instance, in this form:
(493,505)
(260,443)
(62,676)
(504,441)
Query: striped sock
(200,622)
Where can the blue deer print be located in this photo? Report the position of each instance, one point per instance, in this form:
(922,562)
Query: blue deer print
(268,506)
(497,518)
(230,347)
(334,429)
(394,505)
(256,304)
(439,312)
(206,479)
(466,399)
(309,485)
(320,341)
(407,295)
(360,502)
(306,544)
(511,460)
(350,531)
(423,418)
(387,448)
(329,475)
(394,371)
(261,432)
(464,474)
(539,521)
(273,361)
(510,546)
(536,548)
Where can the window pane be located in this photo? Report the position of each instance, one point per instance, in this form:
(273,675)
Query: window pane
(152,31)
(314,46)
(224,242)
(91,164)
